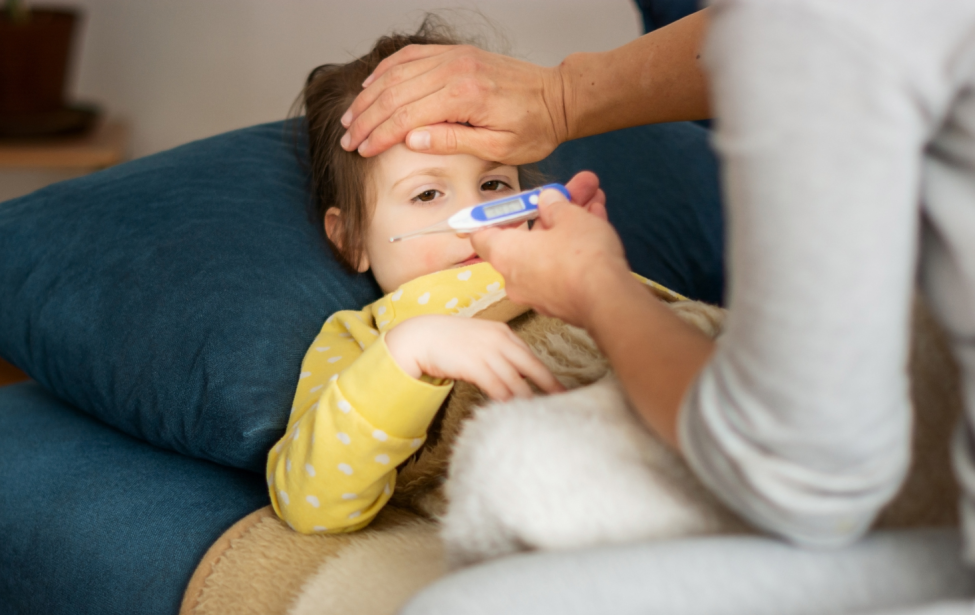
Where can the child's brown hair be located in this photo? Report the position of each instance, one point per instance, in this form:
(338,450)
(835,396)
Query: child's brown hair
(339,177)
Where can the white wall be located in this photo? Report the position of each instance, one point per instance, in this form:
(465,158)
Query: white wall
(180,70)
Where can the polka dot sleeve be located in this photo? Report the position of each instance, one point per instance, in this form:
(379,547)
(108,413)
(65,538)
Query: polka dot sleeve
(335,468)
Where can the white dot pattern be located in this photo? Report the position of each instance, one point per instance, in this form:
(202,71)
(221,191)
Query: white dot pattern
(329,350)
(303,375)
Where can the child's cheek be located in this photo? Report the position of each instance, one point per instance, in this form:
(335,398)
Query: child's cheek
(432,256)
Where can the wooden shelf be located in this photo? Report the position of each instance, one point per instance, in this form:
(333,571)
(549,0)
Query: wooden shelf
(102,147)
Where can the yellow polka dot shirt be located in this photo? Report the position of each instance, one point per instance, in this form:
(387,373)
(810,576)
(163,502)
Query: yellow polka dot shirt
(356,414)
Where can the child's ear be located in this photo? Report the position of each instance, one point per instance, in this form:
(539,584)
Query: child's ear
(333,230)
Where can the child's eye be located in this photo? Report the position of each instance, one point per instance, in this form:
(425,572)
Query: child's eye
(494,185)
(426,196)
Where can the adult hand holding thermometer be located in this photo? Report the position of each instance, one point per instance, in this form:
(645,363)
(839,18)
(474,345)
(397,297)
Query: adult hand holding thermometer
(508,210)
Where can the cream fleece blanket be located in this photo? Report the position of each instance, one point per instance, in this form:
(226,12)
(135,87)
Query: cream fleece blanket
(261,566)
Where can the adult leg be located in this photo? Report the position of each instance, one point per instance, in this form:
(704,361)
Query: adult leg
(711,576)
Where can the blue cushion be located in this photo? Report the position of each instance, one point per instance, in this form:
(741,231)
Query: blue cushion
(95,522)
(174,296)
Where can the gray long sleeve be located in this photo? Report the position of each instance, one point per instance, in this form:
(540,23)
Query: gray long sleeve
(826,110)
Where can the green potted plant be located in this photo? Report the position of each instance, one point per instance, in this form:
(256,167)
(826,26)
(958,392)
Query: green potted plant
(35,49)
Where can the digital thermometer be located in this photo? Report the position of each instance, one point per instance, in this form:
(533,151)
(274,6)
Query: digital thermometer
(510,209)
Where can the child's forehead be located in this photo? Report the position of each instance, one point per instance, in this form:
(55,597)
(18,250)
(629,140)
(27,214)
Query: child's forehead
(399,162)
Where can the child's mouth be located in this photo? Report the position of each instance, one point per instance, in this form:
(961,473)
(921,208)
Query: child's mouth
(472,260)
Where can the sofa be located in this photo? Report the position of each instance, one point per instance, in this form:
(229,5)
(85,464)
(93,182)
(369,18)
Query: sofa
(161,309)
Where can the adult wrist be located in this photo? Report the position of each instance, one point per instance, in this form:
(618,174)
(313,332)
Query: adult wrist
(606,282)
(569,70)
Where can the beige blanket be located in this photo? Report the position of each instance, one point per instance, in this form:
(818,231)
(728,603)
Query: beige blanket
(261,566)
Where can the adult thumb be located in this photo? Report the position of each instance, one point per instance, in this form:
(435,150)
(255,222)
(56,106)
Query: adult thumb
(449,138)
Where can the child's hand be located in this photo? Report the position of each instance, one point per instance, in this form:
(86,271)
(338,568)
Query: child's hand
(487,354)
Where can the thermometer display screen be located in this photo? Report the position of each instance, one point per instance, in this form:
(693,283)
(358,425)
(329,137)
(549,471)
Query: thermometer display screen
(503,209)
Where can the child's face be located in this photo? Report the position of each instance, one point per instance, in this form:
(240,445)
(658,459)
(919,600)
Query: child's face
(415,190)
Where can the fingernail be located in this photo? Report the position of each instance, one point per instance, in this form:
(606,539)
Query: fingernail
(346,119)
(550,196)
(419,140)
(368,80)
(346,139)
(363,146)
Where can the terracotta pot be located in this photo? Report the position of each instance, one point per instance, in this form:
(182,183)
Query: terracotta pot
(34,61)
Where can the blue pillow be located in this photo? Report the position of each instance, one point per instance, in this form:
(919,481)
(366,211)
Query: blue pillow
(173,297)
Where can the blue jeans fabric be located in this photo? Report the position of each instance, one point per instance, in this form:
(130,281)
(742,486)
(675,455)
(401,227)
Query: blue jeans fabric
(95,522)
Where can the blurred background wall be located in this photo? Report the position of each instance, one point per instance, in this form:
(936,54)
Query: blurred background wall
(180,70)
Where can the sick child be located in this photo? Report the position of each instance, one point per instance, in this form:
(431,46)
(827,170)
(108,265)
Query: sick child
(372,381)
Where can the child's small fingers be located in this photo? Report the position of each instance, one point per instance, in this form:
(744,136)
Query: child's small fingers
(511,377)
(492,385)
(532,368)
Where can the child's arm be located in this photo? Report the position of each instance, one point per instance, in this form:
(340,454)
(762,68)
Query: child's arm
(335,468)
(357,416)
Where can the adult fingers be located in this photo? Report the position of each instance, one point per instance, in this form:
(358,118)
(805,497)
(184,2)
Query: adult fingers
(438,107)
(583,187)
(410,53)
(451,138)
(597,207)
(551,204)
(499,246)
(400,86)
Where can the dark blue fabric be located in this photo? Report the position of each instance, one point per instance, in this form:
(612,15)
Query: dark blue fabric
(663,197)
(95,522)
(659,13)
(174,296)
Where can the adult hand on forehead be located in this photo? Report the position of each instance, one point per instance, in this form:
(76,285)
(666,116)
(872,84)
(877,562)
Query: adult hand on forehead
(458,99)
(552,266)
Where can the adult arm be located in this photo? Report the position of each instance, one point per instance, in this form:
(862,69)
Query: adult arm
(519,112)
(800,419)
(656,355)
